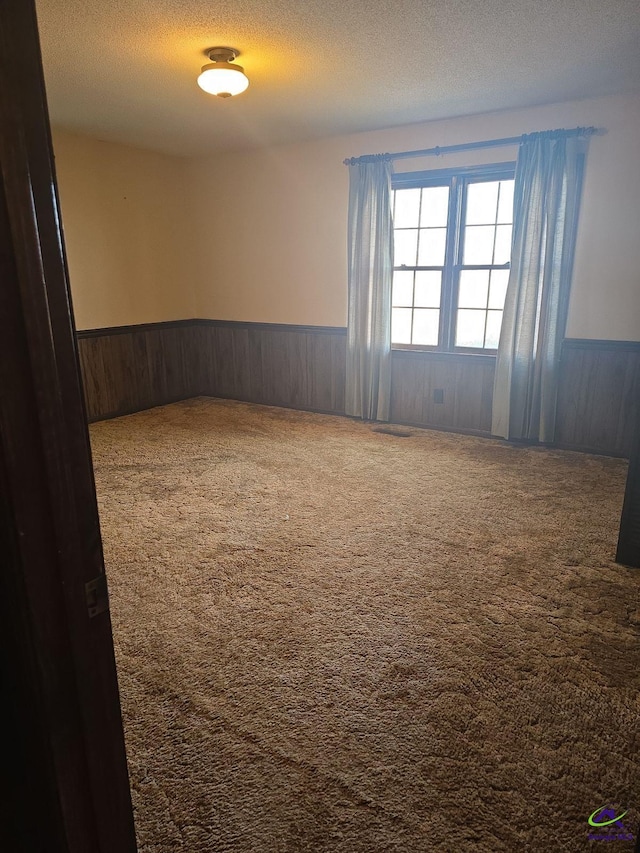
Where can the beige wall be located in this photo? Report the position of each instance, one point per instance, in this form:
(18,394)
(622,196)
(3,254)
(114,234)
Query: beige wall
(123,218)
(261,236)
(268,238)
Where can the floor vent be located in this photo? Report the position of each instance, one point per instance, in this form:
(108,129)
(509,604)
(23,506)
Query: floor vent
(399,433)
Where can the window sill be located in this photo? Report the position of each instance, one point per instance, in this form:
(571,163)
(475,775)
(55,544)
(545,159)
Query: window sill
(442,355)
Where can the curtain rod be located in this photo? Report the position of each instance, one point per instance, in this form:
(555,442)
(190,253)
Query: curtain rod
(468,146)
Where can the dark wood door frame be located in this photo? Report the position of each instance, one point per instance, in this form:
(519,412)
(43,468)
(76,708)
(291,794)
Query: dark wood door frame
(66,785)
(628,552)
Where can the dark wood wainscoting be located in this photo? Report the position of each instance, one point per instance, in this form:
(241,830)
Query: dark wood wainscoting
(598,400)
(130,368)
(599,396)
(442,390)
(301,367)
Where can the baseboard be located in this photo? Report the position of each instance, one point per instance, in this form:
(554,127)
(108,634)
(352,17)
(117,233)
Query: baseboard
(120,413)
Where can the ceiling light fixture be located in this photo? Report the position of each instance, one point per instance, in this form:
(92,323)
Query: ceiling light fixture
(221,77)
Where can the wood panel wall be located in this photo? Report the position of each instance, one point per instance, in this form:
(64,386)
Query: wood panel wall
(301,367)
(136,367)
(599,396)
(130,368)
(463,384)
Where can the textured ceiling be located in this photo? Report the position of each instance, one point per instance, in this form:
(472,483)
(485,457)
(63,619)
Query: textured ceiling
(126,69)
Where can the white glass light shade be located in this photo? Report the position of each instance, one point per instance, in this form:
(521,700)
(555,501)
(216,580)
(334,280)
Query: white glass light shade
(223,79)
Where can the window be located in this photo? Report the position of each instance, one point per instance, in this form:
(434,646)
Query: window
(452,245)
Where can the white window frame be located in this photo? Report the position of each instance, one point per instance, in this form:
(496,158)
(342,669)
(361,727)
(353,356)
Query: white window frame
(457,180)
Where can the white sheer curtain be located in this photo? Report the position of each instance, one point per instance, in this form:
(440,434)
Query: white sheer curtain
(370,244)
(546,201)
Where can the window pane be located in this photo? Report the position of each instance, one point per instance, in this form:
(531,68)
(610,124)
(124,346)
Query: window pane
(432,247)
(474,289)
(422,239)
(402,288)
(405,247)
(435,206)
(503,244)
(498,289)
(470,328)
(401,325)
(505,202)
(428,289)
(482,203)
(407,209)
(425,326)
(478,244)
(494,321)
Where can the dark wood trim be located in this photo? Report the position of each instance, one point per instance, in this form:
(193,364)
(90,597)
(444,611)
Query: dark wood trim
(568,343)
(199,321)
(580,448)
(49,528)
(281,406)
(131,410)
(28,769)
(477,433)
(108,331)
(628,550)
(274,327)
(593,344)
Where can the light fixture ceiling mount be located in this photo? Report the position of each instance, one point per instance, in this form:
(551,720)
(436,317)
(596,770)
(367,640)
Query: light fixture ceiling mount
(221,77)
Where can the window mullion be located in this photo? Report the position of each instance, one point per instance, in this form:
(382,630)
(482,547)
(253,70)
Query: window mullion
(452,259)
(413,291)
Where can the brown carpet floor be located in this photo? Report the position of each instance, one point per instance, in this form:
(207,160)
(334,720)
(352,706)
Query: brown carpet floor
(334,639)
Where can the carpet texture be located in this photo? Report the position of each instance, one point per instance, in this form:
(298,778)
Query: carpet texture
(335,639)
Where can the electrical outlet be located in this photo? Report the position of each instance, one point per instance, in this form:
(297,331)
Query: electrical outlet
(438,395)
